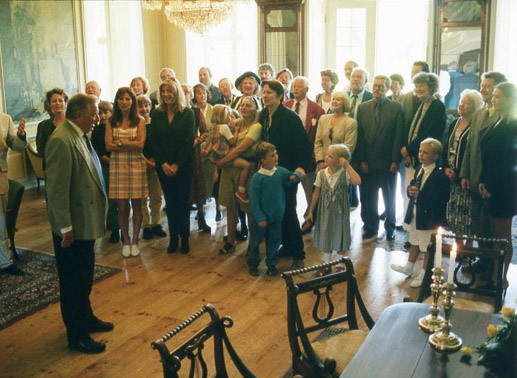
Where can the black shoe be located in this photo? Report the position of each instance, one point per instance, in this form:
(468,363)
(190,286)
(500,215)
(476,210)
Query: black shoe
(14,270)
(99,326)
(115,236)
(399,227)
(148,233)
(185,248)
(407,245)
(173,245)
(382,217)
(158,231)
(227,249)
(283,253)
(370,235)
(201,224)
(272,271)
(87,345)
(253,271)
(218,216)
(241,236)
(390,235)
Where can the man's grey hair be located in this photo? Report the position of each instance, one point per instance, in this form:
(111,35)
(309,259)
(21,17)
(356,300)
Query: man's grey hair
(304,79)
(79,103)
(363,70)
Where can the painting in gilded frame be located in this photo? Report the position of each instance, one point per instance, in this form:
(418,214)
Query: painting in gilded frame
(38,51)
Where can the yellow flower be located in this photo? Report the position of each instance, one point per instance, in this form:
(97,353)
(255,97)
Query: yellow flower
(466,351)
(492,330)
(507,311)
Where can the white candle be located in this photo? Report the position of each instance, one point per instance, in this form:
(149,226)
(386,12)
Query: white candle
(438,253)
(452,263)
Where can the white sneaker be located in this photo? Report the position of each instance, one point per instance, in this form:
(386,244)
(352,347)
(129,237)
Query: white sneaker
(135,251)
(416,282)
(404,269)
(126,251)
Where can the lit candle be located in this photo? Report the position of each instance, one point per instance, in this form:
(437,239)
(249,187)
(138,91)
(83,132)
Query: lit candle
(438,253)
(452,263)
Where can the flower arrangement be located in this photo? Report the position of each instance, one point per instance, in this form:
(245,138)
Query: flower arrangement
(498,352)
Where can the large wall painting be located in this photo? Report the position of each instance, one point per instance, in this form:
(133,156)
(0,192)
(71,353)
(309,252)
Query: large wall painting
(38,51)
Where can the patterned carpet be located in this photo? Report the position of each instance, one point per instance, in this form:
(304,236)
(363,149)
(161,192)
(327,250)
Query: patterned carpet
(22,296)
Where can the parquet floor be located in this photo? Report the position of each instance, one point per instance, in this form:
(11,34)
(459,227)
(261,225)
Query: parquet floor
(157,291)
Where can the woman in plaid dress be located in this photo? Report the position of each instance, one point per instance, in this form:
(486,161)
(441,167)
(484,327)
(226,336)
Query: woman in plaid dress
(125,138)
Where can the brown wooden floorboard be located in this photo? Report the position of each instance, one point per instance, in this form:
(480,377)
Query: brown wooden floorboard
(156,292)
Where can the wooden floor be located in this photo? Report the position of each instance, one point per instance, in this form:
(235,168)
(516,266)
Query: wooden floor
(157,291)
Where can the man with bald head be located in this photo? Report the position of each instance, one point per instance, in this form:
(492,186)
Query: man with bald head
(93,88)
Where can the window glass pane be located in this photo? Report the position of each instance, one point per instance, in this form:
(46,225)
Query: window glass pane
(343,17)
(359,17)
(343,37)
(358,37)
(358,54)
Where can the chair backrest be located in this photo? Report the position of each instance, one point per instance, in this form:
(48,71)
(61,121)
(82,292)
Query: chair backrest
(14,200)
(327,299)
(36,160)
(486,248)
(192,348)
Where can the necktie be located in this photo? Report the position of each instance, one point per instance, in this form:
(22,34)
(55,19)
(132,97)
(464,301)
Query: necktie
(95,160)
(377,107)
(352,111)
(297,108)
(419,178)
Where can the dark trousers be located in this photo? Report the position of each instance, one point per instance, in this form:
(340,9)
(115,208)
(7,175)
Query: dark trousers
(273,235)
(291,233)
(176,193)
(371,182)
(353,198)
(112,217)
(75,270)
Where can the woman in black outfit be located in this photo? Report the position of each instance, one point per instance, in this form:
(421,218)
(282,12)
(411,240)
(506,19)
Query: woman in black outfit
(172,139)
(498,180)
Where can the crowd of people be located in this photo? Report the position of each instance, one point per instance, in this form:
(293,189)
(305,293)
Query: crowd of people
(250,151)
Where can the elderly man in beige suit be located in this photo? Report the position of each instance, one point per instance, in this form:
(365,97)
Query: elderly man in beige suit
(76,201)
(18,142)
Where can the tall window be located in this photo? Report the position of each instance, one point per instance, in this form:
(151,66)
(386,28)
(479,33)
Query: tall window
(229,49)
(505,49)
(114,44)
(402,36)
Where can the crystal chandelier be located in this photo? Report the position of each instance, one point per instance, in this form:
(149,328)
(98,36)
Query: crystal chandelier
(197,16)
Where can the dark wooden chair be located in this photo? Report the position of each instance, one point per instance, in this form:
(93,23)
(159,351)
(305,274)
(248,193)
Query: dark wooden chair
(333,293)
(192,349)
(487,249)
(14,200)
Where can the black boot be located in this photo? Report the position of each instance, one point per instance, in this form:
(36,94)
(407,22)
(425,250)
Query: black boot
(202,226)
(173,244)
(185,248)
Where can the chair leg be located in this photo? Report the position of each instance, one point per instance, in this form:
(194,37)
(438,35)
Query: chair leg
(37,179)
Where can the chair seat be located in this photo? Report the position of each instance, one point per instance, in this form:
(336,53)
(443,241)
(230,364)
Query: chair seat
(341,347)
(467,304)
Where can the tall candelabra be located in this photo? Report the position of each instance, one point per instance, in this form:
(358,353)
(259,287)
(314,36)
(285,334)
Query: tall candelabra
(445,340)
(433,322)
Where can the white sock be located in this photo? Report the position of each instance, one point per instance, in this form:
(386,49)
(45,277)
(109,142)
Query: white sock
(409,265)
(242,189)
(327,256)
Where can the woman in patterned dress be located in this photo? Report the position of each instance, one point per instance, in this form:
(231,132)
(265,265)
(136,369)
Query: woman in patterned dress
(125,138)
(459,207)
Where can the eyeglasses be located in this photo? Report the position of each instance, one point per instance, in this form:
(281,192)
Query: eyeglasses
(331,130)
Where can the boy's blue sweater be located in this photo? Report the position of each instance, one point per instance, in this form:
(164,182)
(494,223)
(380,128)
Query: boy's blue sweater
(267,194)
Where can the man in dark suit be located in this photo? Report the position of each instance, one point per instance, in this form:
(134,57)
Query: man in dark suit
(205,77)
(225,89)
(357,94)
(76,204)
(380,125)
(310,113)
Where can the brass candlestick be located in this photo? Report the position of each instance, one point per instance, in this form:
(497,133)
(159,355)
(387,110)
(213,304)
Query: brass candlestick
(433,322)
(445,340)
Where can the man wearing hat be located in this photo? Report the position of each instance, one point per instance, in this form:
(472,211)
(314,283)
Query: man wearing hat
(248,84)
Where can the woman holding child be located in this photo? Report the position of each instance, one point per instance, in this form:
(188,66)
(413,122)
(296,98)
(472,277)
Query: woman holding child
(249,134)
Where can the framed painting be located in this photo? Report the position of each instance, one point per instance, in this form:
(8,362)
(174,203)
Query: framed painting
(38,48)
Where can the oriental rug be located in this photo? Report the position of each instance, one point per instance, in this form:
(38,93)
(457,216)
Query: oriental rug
(21,296)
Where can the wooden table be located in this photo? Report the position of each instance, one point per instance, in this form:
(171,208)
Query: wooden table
(396,348)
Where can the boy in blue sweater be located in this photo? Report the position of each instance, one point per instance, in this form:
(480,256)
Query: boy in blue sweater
(267,198)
